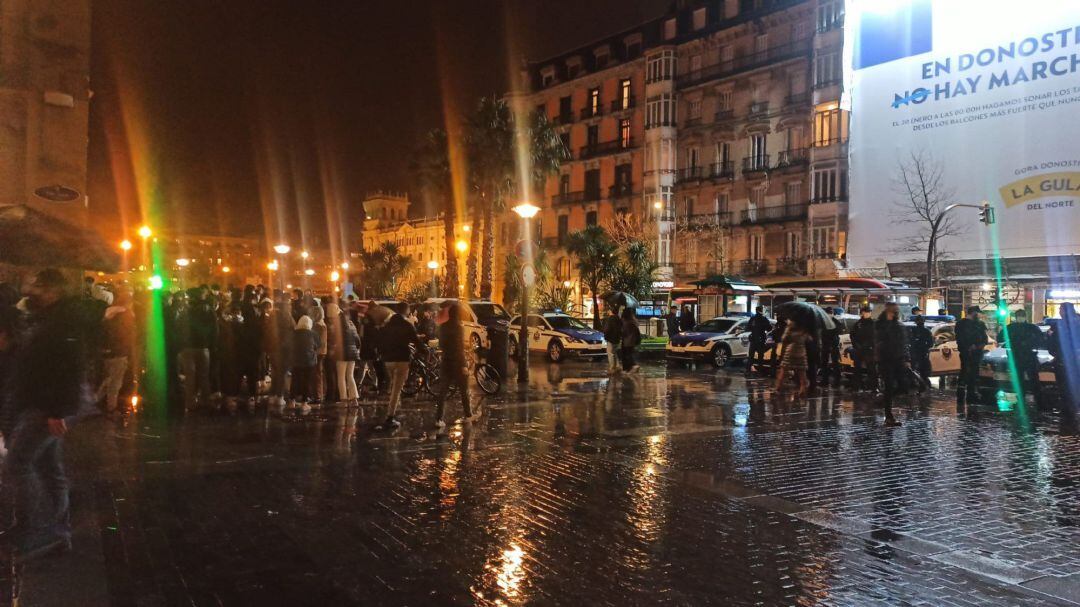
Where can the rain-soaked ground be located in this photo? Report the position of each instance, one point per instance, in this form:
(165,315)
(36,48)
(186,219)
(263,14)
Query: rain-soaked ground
(671,487)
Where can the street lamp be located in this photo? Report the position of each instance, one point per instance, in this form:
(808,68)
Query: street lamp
(125,245)
(335,276)
(303,254)
(282,249)
(344,265)
(461,245)
(272,266)
(526,211)
(225,269)
(309,272)
(145,232)
(183,262)
(433,266)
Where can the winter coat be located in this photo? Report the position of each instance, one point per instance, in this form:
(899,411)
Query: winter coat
(118,329)
(305,344)
(1024,339)
(52,363)
(862,335)
(687,321)
(759,327)
(672,322)
(890,341)
(921,341)
(613,330)
(394,339)
(452,344)
(343,339)
(971,334)
(369,337)
(631,334)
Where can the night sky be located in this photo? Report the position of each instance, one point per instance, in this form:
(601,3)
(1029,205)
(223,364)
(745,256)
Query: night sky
(242,105)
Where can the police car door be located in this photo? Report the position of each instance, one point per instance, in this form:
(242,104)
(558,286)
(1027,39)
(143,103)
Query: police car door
(539,333)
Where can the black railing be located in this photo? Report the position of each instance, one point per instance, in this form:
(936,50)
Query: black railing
(621,190)
(824,143)
(793,158)
(702,220)
(791,265)
(785,212)
(826,83)
(783,52)
(797,99)
(589,112)
(722,115)
(832,24)
(692,121)
(690,174)
(754,266)
(842,197)
(722,170)
(608,147)
(624,103)
(568,198)
(754,164)
(567,118)
(822,255)
(550,242)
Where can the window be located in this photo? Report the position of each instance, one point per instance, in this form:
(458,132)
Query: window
(829,185)
(669,29)
(592,184)
(573,70)
(693,110)
(688,206)
(757,248)
(801,31)
(830,126)
(759,158)
(662,66)
(830,15)
(564,183)
(593,104)
(623,178)
(699,19)
(624,133)
(633,49)
(564,228)
(624,94)
(602,60)
(566,109)
(541,110)
(592,136)
(793,193)
(565,139)
(691,157)
(721,157)
(547,79)
(757,197)
(722,202)
(723,101)
(661,111)
(695,63)
(791,245)
(821,240)
(826,69)
(761,43)
(590,218)
(727,53)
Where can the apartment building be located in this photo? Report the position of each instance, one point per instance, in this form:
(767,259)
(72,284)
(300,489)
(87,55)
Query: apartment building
(761,179)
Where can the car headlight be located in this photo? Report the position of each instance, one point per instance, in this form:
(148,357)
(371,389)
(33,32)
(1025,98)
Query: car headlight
(744,340)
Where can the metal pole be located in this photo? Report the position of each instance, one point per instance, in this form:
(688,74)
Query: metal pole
(523,335)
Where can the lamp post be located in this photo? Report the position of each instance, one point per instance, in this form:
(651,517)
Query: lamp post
(125,246)
(283,250)
(182,263)
(526,211)
(433,266)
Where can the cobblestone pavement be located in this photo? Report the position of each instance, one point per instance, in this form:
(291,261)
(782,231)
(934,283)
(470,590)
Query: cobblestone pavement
(672,487)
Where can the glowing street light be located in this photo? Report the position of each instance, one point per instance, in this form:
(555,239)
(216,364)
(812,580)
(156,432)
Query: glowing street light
(309,272)
(226,269)
(272,266)
(156,283)
(433,265)
(125,245)
(183,262)
(462,246)
(658,205)
(526,210)
(344,265)
(304,254)
(145,232)
(282,249)
(465,228)
(335,276)
(566,284)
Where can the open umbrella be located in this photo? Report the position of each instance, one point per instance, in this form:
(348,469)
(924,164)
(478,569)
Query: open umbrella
(807,315)
(33,238)
(619,299)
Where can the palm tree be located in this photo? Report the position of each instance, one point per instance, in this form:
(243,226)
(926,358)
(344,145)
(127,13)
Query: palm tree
(596,255)
(634,270)
(492,148)
(384,270)
(432,169)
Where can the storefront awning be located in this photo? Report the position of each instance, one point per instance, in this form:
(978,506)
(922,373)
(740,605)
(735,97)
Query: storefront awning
(727,283)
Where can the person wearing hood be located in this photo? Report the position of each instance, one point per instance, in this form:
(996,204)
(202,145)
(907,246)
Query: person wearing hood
(305,355)
(118,344)
(343,348)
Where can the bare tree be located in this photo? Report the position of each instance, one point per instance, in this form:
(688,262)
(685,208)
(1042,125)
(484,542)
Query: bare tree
(711,235)
(925,200)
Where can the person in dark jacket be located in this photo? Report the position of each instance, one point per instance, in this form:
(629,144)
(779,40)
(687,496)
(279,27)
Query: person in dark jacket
(396,335)
(892,355)
(1064,346)
(1023,340)
(50,387)
(971,341)
(777,339)
(613,338)
(686,319)
(198,335)
(759,327)
(671,322)
(921,343)
(452,367)
(304,361)
(631,338)
(118,347)
(425,325)
(830,348)
(862,351)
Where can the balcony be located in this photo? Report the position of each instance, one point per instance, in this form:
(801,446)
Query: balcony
(621,190)
(783,212)
(722,115)
(759,109)
(589,112)
(793,158)
(842,197)
(797,100)
(689,174)
(830,25)
(784,52)
(791,265)
(692,122)
(602,149)
(755,164)
(708,220)
(568,198)
(563,119)
(625,103)
(722,170)
(827,149)
(754,267)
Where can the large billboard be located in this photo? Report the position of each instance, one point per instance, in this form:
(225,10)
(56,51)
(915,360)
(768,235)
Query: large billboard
(973,100)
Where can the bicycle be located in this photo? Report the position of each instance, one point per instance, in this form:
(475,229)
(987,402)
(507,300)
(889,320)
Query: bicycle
(485,374)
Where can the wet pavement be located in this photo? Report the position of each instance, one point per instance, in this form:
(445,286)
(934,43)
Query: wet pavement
(671,487)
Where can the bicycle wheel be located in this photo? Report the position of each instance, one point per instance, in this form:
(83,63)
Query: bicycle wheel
(487,378)
(412,382)
(431,380)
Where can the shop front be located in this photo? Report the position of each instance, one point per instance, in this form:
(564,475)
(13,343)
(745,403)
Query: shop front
(724,295)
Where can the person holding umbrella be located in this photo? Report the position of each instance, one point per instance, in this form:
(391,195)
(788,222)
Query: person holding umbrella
(795,345)
(631,337)
(893,356)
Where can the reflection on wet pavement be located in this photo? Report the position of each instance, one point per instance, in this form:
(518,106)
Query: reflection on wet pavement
(671,487)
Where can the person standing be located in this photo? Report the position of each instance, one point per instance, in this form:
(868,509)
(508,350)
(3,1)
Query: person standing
(686,319)
(452,368)
(631,337)
(318,318)
(305,356)
(199,331)
(425,326)
(118,345)
(396,335)
(921,343)
(862,351)
(777,339)
(892,355)
(613,338)
(1065,348)
(671,321)
(344,350)
(50,386)
(795,345)
(971,340)
(759,327)
(1023,340)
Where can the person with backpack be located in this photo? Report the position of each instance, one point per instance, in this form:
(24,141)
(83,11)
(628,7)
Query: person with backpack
(613,339)
(452,367)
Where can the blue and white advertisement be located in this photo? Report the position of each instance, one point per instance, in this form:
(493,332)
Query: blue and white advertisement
(963,101)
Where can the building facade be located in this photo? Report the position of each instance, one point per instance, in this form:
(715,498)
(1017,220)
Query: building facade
(718,125)
(44,105)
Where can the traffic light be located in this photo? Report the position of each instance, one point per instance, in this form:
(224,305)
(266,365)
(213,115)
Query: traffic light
(986,213)
(1003,310)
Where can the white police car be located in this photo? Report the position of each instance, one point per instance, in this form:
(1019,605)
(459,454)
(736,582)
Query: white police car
(718,341)
(559,335)
(476,317)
